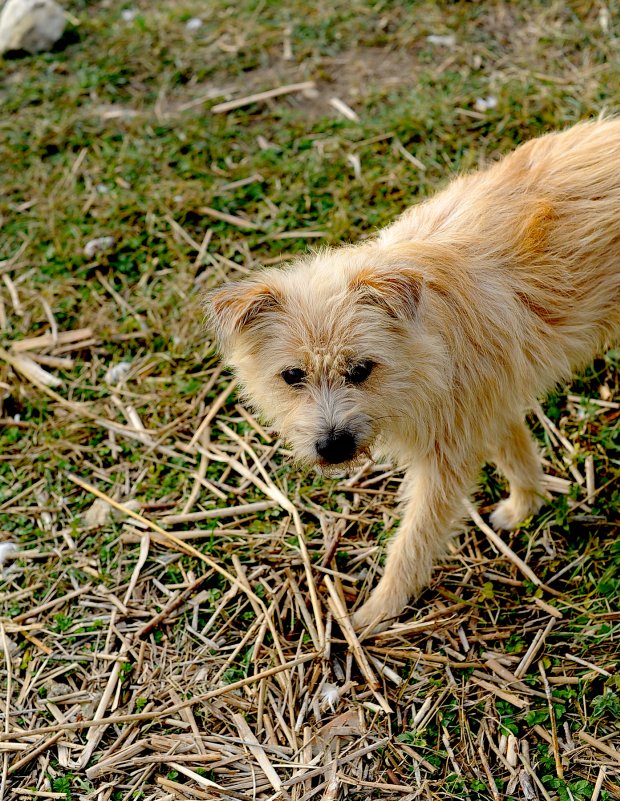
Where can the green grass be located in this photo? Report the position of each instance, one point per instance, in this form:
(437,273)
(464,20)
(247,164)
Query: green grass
(108,136)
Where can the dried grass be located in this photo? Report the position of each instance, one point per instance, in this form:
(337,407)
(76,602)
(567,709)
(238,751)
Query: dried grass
(175,619)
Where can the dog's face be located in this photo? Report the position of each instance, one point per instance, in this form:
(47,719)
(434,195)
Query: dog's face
(330,350)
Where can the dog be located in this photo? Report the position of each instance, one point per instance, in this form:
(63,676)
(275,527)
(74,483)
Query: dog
(430,341)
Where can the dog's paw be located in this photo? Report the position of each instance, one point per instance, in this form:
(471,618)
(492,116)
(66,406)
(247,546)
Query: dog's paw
(515,509)
(376,615)
(368,621)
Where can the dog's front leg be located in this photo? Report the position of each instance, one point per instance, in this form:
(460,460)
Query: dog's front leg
(433,505)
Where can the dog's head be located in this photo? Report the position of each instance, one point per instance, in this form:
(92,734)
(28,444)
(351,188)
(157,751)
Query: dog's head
(333,350)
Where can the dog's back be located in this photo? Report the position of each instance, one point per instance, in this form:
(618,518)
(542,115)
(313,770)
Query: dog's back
(544,225)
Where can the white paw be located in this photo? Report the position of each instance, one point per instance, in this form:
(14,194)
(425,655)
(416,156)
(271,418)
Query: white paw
(515,509)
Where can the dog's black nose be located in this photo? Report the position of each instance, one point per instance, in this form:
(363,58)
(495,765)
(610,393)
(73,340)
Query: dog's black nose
(338,446)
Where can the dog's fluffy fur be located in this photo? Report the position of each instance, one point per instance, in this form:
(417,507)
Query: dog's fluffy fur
(468,308)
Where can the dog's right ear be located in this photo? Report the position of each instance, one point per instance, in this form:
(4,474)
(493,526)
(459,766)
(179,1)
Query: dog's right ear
(233,307)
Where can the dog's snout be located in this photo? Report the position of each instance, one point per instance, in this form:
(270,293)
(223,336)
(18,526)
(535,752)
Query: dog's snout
(338,446)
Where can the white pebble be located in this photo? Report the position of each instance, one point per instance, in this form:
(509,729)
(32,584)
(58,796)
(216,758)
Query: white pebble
(443,40)
(485,103)
(7,551)
(31,25)
(101,512)
(117,372)
(98,245)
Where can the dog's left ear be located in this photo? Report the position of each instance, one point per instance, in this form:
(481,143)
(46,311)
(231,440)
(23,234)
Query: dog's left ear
(234,307)
(394,288)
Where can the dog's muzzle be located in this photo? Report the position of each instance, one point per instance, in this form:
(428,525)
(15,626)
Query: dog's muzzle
(337,447)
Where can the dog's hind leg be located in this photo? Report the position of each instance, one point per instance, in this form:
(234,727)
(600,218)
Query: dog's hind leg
(517,458)
(434,495)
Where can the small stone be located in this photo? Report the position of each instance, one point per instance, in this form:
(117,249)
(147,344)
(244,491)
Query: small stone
(101,512)
(193,24)
(98,514)
(129,14)
(12,648)
(117,372)
(443,40)
(7,551)
(485,103)
(98,245)
(55,689)
(31,25)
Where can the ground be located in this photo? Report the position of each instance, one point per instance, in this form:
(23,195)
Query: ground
(178,581)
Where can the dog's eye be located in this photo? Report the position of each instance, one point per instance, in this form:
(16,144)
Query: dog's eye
(359,372)
(294,376)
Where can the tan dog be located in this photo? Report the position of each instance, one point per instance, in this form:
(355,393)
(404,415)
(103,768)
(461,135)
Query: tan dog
(430,341)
